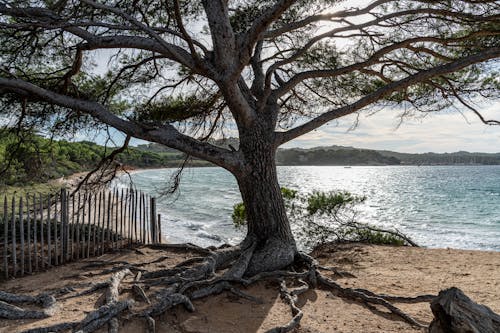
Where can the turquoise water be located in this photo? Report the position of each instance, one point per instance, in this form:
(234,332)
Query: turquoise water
(438,206)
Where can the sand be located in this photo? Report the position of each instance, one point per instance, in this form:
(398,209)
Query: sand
(393,270)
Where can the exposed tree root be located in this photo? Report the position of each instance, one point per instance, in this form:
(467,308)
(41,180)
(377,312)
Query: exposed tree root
(10,311)
(291,298)
(218,270)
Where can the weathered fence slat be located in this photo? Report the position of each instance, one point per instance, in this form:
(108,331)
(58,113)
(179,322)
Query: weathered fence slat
(49,231)
(159,228)
(122,216)
(89,221)
(129,202)
(56,243)
(103,234)
(152,219)
(78,211)
(21,233)
(42,243)
(94,227)
(5,239)
(99,222)
(13,229)
(28,217)
(64,226)
(141,217)
(35,233)
(115,233)
(72,227)
(136,212)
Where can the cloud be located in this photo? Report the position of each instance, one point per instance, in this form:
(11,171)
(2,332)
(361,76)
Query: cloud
(438,132)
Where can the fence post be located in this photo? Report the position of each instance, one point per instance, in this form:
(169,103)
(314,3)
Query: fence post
(49,232)
(122,219)
(108,221)
(14,246)
(5,239)
(35,232)
(129,201)
(103,221)
(99,230)
(21,232)
(115,233)
(136,208)
(143,199)
(152,208)
(94,226)
(72,226)
(56,244)
(42,243)
(28,216)
(89,218)
(159,228)
(78,210)
(64,226)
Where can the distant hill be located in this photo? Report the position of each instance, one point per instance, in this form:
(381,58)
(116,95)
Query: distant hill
(340,155)
(39,159)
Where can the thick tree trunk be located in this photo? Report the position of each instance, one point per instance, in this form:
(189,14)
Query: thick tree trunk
(268,224)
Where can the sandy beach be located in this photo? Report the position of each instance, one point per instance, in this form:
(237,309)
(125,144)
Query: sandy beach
(401,271)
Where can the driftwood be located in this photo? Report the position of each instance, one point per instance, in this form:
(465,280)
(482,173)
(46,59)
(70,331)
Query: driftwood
(454,312)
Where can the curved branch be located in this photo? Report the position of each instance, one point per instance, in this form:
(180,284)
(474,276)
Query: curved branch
(332,33)
(259,26)
(166,134)
(47,19)
(300,77)
(373,97)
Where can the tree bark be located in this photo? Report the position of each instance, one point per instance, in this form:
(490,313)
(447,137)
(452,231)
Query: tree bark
(267,221)
(454,312)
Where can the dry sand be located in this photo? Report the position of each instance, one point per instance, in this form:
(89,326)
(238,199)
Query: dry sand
(393,270)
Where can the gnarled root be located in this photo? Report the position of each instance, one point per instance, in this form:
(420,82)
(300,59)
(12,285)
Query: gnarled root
(215,271)
(10,311)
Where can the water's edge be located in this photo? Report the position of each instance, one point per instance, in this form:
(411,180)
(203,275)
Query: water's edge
(438,206)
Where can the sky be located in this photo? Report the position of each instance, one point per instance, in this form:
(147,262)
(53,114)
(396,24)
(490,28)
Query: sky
(447,131)
(443,132)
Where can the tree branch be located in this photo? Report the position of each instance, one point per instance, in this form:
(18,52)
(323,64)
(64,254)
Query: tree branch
(375,96)
(166,134)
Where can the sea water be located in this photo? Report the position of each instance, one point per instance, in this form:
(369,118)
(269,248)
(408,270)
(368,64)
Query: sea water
(437,206)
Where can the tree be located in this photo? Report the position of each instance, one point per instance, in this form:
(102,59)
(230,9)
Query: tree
(182,71)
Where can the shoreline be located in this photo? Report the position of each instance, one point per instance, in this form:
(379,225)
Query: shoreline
(489,247)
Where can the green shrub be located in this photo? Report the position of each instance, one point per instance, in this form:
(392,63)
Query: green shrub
(330,202)
(239,215)
(322,217)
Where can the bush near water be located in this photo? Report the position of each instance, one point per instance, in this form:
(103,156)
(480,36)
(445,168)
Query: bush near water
(327,217)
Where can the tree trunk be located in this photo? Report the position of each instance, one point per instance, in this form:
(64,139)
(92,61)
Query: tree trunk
(268,224)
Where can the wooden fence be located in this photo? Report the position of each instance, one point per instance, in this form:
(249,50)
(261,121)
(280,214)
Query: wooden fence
(39,232)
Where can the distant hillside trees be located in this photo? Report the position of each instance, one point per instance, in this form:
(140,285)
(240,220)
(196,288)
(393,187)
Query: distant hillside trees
(29,158)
